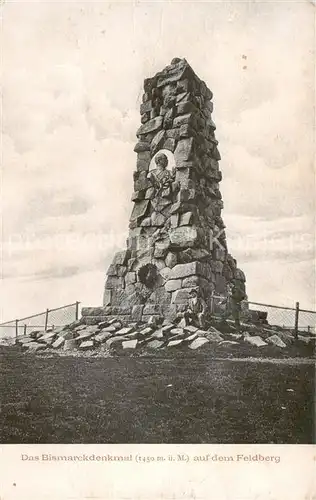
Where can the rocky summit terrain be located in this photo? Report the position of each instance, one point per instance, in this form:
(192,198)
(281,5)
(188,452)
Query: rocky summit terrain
(113,337)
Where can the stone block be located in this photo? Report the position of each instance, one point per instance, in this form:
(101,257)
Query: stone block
(166,329)
(70,344)
(165,273)
(154,112)
(114,282)
(152,309)
(107,296)
(120,258)
(137,312)
(92,311)
(170,144)
(275,340)
(184,150)
(286,337)
(168,119)
(150,126)
(86,345)
(186,219)
(131,336)
(161,248)
(183,97)
(191,337)
(47,337)
(103,336)
(58,342)
(256,341)
(181,296)
(220,284)
(142,146)
(188,269)
(85,335)
(67,335)
(174,220)
(175,73)
(141,183)
(158,334)
(157,141)
(235,336)
(186,107)
(140,209)
(190,329)
(129,344)
(175,208)
(24,339)
(138,195)
(145,331)
(171,260)
(150,193)
(36,334)
(197,343)
(173,285)
(157,219)
(175,343)
(183,120)
(184,85)
(113,341)
(240,275)
(130,278)
(186,131)
(109,329)
(183,236)
(145,107)
(217,266)
(216,154)
(151,319)
(177,331)
(212,336)
(170,312)
(173,133)
(145,117)
(80,327)
(154,344)
(124,331)
(194,281)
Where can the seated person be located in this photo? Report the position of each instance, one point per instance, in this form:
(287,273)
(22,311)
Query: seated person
(195,314)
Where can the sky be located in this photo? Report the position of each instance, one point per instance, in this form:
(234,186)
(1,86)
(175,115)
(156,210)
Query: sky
(71,80)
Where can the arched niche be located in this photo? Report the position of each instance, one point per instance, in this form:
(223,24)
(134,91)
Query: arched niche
(170,156)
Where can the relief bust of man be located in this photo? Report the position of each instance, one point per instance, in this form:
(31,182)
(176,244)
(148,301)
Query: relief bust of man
(160,177)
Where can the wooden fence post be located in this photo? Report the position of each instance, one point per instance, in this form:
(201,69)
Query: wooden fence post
(24,329)
(16,330)
(212,303)
(46,320)
(297,312)
(77,311)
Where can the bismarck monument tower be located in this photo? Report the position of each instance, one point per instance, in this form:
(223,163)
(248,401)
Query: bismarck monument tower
(177,239)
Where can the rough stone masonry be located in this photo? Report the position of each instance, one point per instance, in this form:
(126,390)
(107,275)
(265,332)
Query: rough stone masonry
(177,239)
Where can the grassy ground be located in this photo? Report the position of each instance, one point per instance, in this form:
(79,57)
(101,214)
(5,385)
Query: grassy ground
(130,400)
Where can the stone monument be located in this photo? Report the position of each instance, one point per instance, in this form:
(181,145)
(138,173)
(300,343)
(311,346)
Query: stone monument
(177,241)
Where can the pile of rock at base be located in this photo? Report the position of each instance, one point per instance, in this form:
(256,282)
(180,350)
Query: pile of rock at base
(114,337)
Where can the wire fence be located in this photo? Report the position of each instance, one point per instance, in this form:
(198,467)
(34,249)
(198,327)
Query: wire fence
(301,321)
(47,320)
